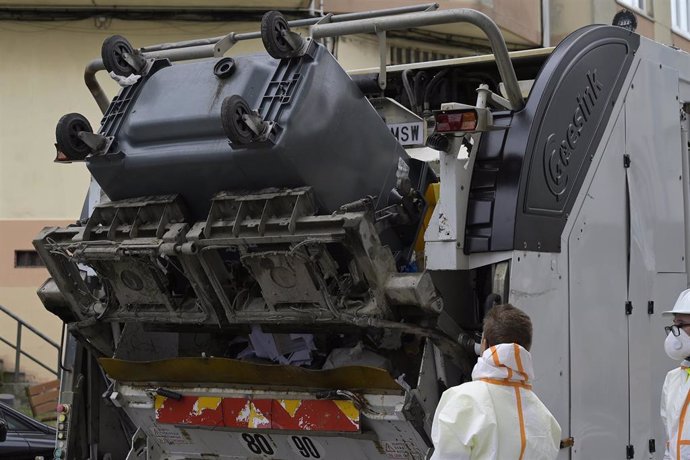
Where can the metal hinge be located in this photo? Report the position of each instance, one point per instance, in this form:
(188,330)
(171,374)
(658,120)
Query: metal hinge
(652,446)
(650,310)
(626,160)
(628,307)
(630,451)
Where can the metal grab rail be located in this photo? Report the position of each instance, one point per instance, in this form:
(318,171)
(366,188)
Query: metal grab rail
(296,23)
(217,46)
(17,346)
(377,22)
(410,20)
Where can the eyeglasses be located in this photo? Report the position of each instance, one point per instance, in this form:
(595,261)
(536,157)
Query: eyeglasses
(675,329)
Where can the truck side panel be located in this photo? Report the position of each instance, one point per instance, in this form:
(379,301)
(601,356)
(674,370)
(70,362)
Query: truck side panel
(657,243)
(539,286)
(598,323)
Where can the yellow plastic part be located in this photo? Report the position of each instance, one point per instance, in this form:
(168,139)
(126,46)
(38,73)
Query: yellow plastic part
(431,196)
(231,371)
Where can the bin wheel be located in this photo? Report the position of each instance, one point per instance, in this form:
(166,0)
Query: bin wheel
(232,111)
(273,28)
(112,53)
(67,136)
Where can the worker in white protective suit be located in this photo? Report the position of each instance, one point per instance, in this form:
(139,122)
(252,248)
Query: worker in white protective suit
(497,415)
(675,394)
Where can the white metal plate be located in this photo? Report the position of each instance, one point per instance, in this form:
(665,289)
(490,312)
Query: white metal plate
(408,133)
(656,241)
(598,324)
(539,286)
(653,142)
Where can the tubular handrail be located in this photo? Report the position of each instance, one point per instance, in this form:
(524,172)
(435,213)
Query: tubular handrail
(377,22)
(17,346)
(217,46)
(296,23)
(209,47)
(410,20)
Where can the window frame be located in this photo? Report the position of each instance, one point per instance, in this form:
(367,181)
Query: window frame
(632,4)
(27,258)
(680,21)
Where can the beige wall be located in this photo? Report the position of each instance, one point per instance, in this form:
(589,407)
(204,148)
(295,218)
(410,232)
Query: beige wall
(655,23)
(18,235)
(566,16)
(680,42)
(18,293)
(27,306)
(520,20)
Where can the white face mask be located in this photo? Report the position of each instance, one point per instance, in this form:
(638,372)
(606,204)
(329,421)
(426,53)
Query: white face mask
(677,348)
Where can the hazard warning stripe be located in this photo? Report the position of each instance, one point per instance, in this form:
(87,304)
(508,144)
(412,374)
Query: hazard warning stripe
(276,414)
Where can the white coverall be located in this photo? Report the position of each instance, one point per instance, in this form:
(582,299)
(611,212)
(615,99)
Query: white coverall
(496,416)
(675,397)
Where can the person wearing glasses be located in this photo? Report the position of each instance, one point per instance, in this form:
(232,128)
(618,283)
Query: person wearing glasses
(675,394)
(497,415)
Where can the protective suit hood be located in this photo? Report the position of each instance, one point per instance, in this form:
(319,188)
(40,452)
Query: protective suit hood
(505,362)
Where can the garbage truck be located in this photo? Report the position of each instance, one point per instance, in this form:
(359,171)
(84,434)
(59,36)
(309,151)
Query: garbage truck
(279,259)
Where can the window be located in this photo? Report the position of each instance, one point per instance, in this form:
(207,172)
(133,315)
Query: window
(640,5)
(679,16)
(405,55)
(24,259)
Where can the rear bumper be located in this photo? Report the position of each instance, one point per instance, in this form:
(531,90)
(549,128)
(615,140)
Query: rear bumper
(249,411)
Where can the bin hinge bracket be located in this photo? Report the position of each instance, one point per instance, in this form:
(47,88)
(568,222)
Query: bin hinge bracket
(626,160)
(629,451)
(650,307)
(652,446)
(628,307)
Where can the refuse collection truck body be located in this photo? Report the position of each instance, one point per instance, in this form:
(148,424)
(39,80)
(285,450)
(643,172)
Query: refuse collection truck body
(280,260)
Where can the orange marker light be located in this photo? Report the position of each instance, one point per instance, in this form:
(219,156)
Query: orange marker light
(456,121)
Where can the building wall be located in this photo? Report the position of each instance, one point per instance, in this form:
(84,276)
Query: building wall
(41,79)
(519,20)
(18,293)
(654,23)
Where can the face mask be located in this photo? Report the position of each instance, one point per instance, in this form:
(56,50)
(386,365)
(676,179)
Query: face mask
(677,348)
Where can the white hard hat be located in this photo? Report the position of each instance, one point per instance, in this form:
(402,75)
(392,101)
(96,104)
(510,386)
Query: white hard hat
(682,304)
